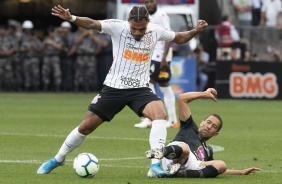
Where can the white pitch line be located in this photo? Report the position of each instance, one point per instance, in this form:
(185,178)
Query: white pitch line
(64,136)
(108,165)
(41,161)
(215,147)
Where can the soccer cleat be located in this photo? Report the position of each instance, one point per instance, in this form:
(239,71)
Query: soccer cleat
(174,169)
(145,123)
(157,172)
(172,125)
(48,166)
(155,153)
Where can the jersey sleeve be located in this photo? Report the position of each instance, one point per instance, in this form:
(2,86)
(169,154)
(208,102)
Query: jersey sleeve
(166,35)
(111,26)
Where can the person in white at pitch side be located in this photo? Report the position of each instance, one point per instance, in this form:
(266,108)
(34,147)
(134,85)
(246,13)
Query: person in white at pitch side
(160,67)
(127,80)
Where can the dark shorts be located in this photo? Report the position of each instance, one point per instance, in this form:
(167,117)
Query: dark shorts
(109,101)
(159,75)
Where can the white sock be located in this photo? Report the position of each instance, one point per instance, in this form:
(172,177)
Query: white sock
(169,100)
(73,140)
(158,136)
(152,87)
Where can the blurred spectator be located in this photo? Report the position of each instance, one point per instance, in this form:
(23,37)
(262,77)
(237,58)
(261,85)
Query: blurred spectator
(234,55)
(274,54)
(104,58)
(202,58)
(270,12)
(279,22)
(13,33)
(51,69)
(244,11)
(67,61)
(256,12)
(30,48)
(248,56)
(227,35)
(6,55)
(87,45)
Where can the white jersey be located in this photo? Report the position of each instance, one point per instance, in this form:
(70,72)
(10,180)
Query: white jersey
(161,18)
(131,64)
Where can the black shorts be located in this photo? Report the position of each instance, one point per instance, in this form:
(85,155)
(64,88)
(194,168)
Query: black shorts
(159,75)
(109,101)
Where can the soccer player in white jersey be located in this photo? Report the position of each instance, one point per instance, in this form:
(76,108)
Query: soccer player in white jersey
(160,67)
(127,81)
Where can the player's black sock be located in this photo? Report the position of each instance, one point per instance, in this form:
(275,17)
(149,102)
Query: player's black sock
(207,172)
(172,152)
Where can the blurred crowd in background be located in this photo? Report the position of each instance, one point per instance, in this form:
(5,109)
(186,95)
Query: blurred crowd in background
(67,60)
(62,61)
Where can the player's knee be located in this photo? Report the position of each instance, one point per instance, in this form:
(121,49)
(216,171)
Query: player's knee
(185,152)
(86,127)
(220,166)
(161,114)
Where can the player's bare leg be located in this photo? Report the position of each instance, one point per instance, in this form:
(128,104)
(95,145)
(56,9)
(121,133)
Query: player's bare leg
(74,140)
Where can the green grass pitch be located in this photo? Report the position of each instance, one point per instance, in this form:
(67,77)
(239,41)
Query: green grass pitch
(33,127)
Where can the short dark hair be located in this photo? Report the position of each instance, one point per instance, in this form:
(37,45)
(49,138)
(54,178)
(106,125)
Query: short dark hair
(138,13)
(219,119)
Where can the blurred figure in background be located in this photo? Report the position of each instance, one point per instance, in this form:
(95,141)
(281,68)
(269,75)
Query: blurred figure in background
(274,54)
(227,35)
(270,12)
(14,34)
(104,58)
(244,11)
(6,56)
(86,46)
(202,58)
(244,16)
(30,48)
(67,61)
(256,12)
(51,69)
(160,72)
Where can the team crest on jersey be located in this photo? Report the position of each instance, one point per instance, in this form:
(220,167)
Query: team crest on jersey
(148,39)
(95,99)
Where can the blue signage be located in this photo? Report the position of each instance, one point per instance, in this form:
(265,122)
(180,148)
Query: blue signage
(184,75)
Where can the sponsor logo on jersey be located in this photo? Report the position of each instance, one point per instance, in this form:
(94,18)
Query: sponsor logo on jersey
(130,81)
(136,56)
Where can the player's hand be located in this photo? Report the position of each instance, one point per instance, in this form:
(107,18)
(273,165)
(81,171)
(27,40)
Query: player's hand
(61,12)
(250,170)
(201,25)
(212,94)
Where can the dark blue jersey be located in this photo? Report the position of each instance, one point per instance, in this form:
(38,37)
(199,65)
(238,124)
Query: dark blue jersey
(189,134)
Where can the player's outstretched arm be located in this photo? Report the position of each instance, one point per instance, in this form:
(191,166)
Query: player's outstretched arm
(84,22)
(242,172)
(185,98)
(183,37)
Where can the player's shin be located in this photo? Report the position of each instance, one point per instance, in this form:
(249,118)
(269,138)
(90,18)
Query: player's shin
(172,152)
(169,100)
(158,136)
(73,140)
(207,172)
